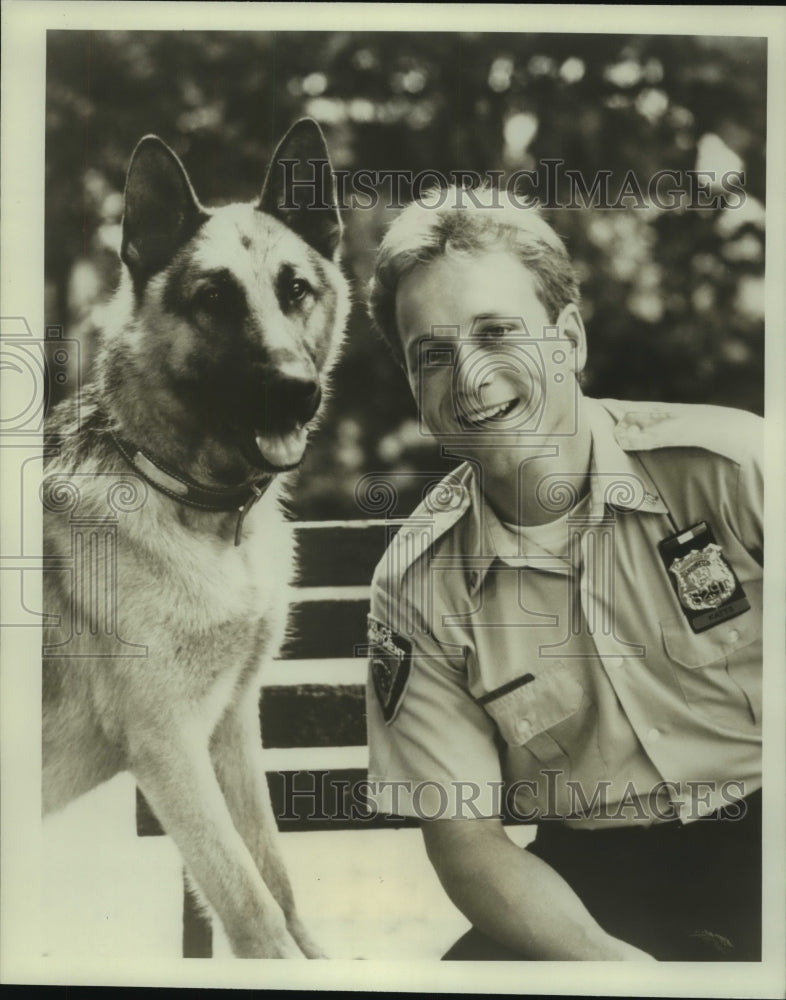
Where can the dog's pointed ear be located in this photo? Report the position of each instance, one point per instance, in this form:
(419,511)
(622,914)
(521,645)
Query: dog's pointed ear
(299,188)
(161,210)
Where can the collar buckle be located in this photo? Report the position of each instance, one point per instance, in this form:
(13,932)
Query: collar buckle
(242,511)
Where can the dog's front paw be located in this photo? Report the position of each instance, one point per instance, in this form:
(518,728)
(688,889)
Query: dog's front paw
(308,945)
(310,948)
(285,947)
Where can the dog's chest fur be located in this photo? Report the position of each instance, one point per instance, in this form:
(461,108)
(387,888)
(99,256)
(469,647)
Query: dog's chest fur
(203,613)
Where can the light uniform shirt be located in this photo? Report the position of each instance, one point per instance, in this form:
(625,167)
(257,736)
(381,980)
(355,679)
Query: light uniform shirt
(555,669)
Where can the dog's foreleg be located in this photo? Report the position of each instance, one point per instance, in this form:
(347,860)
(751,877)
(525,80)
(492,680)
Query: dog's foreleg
(173,768)
(239,762)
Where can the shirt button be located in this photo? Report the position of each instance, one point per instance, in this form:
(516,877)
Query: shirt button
(732,636)
(523,730)
(653,735)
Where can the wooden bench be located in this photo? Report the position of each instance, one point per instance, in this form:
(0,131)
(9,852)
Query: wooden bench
(312,707)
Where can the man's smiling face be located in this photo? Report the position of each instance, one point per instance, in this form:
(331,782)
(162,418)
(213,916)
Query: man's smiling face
(489,385)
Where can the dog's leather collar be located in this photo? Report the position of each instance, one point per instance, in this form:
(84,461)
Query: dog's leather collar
(188,491)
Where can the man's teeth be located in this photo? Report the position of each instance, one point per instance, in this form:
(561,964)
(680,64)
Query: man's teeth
(492,411)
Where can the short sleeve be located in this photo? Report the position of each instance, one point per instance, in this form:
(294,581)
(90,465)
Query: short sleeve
(750,490)
(432,748)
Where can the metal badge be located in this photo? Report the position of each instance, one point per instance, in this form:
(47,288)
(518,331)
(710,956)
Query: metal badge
(703,579)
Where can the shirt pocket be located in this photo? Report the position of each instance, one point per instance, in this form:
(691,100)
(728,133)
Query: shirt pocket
(720,670)
(526,714)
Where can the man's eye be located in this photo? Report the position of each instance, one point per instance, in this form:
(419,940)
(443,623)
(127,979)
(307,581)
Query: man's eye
(299,288)
(493,331)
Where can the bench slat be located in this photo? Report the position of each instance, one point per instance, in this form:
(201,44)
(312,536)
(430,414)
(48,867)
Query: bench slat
(340,553)
(314,715)
(326,628)
(336,670)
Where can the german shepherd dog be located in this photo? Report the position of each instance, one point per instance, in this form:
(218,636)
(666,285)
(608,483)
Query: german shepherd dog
(161,502)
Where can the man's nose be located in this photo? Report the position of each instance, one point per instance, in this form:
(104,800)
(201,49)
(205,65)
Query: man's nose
(464,352)
(474,368)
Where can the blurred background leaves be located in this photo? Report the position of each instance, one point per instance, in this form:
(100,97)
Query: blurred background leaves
(673,299)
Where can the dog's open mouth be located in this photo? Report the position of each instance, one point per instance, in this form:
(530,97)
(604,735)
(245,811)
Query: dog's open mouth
(282,450)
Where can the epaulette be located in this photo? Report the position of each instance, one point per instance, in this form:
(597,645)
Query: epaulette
(723,430)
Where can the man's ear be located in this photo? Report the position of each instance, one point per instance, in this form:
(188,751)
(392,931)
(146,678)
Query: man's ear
(571,326)
(161,210)
(299,188)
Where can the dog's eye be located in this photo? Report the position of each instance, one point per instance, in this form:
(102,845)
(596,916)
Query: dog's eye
(217,300)
(298,289)
(209,298)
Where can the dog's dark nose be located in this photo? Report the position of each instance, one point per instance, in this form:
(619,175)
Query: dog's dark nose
(283,395)
(293,396)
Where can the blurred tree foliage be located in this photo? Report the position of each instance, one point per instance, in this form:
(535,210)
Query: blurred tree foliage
(673,299)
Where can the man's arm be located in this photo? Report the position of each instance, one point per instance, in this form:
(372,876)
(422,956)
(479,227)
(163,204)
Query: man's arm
(514,897)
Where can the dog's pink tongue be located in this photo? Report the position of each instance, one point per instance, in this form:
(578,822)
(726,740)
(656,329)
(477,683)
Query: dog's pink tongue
(283,450)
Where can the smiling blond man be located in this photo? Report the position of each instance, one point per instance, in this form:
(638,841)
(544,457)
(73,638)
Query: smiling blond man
(568,630)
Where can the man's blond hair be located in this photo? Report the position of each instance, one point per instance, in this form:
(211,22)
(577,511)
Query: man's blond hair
(448,221)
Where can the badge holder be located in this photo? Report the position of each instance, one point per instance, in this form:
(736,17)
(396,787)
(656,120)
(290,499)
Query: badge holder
(704,582)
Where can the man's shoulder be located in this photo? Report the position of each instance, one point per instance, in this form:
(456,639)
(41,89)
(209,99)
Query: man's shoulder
(723,430)
(439,513)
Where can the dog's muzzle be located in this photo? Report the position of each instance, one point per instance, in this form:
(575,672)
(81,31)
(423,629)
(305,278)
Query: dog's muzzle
(286,398)
(289,399)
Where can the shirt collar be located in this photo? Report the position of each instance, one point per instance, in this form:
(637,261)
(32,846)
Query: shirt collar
(618,482)
(478,551)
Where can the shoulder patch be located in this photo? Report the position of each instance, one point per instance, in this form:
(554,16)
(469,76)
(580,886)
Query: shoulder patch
(391,663)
